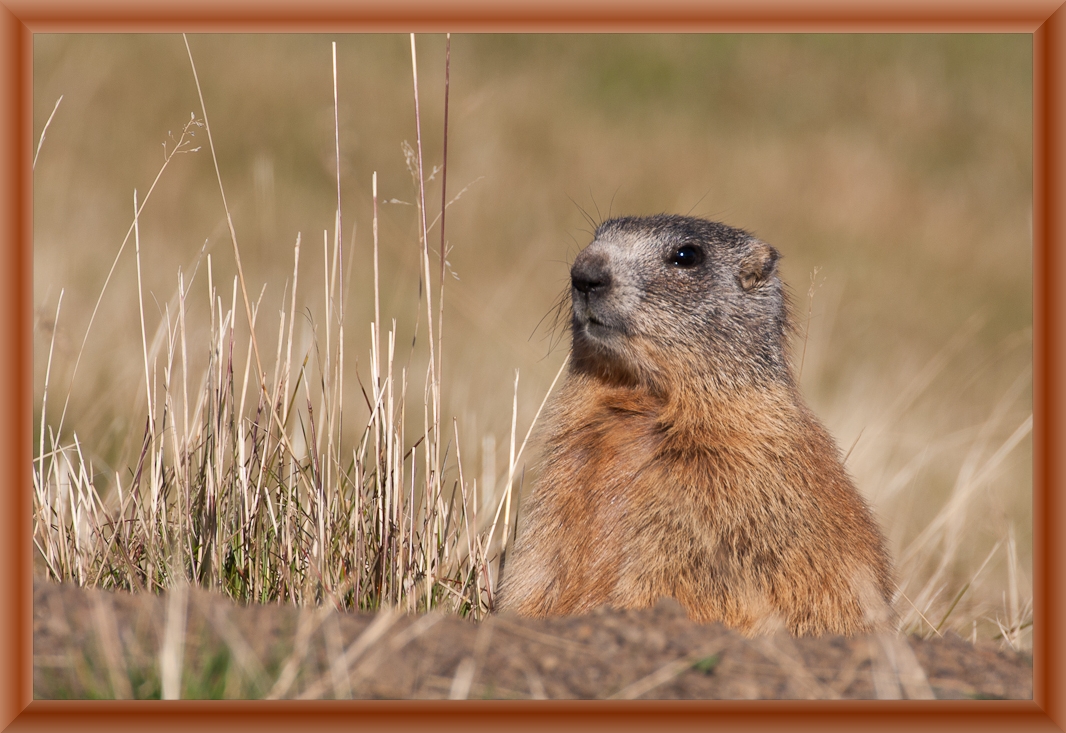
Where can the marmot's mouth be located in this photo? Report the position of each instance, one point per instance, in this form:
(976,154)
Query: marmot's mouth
(592,326)
(600,326)
(600,348)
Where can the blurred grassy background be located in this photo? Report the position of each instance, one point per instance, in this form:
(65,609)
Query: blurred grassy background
(900,166)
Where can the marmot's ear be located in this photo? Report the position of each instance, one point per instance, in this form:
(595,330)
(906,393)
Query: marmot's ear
(758,264)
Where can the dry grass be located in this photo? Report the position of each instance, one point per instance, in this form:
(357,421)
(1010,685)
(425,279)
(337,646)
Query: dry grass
(245,481)
(297,443)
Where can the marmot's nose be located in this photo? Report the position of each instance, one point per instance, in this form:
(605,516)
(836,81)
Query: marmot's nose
(590,275)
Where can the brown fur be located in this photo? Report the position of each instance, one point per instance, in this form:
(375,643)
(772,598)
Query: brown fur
(679,457)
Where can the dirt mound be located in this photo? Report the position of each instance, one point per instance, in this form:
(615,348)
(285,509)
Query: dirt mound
(94,644)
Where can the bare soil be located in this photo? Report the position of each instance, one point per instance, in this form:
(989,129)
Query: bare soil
(95,644)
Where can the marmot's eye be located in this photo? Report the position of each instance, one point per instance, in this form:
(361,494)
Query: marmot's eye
(688,255)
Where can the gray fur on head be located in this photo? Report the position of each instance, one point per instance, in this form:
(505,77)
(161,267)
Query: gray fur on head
(652,294)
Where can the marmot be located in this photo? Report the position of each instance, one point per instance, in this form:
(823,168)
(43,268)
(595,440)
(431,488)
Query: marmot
(679,458)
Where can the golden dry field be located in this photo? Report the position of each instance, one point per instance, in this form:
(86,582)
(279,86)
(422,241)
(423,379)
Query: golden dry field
(893,172)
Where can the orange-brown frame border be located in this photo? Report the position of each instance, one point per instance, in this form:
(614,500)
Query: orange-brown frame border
(20,19)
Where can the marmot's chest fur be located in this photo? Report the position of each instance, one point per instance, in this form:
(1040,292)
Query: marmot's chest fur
(679,459)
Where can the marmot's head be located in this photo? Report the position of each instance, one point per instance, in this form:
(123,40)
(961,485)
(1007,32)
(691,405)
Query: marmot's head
(674,302)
